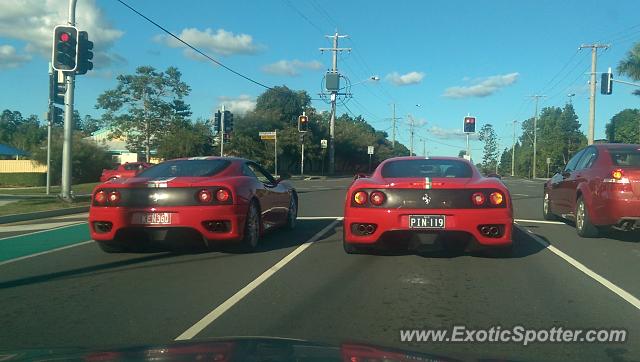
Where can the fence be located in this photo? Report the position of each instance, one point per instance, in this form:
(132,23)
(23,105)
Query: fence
(21,166)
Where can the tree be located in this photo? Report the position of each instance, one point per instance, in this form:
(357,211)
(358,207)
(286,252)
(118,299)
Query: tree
(490,158)
(186,139)
(462,153)
(630,66)
(624,127)
(143,105)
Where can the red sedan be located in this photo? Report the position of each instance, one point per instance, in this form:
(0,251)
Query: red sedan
(126,170)
(207,198)
(598,188)
(437,201)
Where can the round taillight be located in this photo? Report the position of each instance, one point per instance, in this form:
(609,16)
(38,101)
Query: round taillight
(205,196)
(478,198)
(360,197)
(377,198)
(617,174)
(100,197)
(114,197)
(496,198)
(223,195)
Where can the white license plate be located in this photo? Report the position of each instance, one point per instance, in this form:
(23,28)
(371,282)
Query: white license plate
(427,221)
(151,218)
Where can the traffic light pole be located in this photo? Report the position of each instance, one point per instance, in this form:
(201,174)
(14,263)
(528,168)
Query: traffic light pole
(68,119)
(50,116)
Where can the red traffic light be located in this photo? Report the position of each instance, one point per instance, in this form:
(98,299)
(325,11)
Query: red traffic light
(469,120)
(65,37)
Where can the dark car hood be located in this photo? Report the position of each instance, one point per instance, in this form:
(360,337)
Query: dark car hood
(229,349)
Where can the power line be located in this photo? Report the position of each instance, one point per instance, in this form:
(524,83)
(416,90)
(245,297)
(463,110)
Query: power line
(192,47)
(562,69)
(302,15)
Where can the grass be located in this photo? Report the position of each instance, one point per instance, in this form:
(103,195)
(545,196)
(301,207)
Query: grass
(79,189)
(31,205)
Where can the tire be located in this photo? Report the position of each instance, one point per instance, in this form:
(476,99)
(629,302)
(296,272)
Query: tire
(292,214)
(584,227)
(546,208)
(111,247)
(251,234)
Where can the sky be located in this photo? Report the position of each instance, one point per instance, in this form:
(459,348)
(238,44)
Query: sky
(437,61)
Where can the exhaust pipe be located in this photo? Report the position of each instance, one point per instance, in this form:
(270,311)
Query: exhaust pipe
(494,231)
(369,229)
(362,228)
(485,230)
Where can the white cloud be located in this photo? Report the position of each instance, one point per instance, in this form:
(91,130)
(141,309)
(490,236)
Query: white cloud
(291,68)
(9,58)
(405,79)
(221,42)
(448,133)
(32,21)
(240,105)
(482,87)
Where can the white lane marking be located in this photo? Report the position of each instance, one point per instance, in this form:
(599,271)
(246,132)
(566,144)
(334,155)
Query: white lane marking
(222,308)
(590,273)
(540,221)
(45,252)
(519,195)
(318,217)
(30,227)
(42,231)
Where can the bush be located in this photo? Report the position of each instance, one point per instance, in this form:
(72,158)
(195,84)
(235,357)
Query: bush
(23,179)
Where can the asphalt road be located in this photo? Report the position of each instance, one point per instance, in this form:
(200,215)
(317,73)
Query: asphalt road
(301,284)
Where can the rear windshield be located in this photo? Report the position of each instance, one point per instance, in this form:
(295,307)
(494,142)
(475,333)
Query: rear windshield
(427,168)
(185,168)
(629,156)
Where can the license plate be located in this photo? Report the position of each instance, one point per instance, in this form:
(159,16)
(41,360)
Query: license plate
(426,221)
(151,218)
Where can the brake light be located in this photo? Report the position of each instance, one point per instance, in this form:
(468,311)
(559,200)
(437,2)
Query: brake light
(223,195)
(377,198)
(617,174)
(478,198)
(496,198)
(100,197)
(360,197)
(114,197)
(205,196)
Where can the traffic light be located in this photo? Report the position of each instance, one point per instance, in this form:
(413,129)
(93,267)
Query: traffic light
(606,83)
(469,124)
(65,48)
(228,122)
(216,121)
(85,54)
(303,123)
(56,116)
(56,89)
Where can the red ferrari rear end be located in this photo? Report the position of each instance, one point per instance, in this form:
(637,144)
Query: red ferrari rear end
(428,202)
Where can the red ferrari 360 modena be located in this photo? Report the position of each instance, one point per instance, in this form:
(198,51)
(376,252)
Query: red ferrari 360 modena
(428,202)
(211,199)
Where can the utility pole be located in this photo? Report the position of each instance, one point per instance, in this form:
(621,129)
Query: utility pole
(513,150)
(424,147)
(68,118)
(334,96)
(535,133)
(222,132)
(592,97)
(412,132)
(393,128)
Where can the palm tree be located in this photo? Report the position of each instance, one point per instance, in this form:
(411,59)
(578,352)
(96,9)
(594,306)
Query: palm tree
(630,66)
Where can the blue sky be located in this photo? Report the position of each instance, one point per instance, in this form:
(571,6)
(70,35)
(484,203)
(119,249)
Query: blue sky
(450,57)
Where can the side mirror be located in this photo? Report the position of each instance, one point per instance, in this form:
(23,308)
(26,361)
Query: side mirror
(360,175)
(282,177)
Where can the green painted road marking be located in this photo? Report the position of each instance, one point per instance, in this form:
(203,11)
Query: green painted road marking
(22,245)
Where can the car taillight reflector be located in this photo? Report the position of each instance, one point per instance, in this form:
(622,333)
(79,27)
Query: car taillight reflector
(223,195)
(100,197)
(114,197)
(205,196)
(617,174)
(360,197)
(377,198)
(478,198)
(496,198)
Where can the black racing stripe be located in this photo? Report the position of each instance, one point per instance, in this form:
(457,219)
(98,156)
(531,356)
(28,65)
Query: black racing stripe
(437,199)
(156,197)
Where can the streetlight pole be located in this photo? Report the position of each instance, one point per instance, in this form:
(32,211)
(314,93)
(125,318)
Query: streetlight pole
(513,150)
(535,133)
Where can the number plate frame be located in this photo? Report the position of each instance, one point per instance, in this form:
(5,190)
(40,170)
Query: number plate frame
(151,218)
(437,222)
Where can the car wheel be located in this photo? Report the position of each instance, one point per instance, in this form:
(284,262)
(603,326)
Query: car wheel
(292,215)
(546,208)
(251,234)
(111,247)
(583,225)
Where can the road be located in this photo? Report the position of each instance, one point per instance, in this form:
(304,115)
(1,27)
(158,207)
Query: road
(57,289)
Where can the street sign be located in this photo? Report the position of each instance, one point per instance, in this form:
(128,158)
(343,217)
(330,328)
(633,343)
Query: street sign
(323,143)
(370,150)
(548,160)
(267,135)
